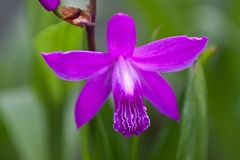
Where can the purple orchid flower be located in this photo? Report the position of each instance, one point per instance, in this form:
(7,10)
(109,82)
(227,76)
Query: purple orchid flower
(130,73)
(50,5)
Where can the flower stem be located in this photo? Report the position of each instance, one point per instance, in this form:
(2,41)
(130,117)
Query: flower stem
(106,142)
(84,140)
(91,29)
(134,148)
(57,13)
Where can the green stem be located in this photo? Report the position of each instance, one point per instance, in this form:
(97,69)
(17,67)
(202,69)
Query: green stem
(58,13)
(106,142)
(134,148)
(85,143)
(91,29)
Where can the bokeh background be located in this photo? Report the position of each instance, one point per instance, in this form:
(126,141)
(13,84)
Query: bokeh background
(36,108)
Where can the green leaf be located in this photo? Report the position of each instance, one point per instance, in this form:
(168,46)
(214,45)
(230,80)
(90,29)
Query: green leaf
(36,16)
(105,139)
(84,142)
(59,37)
(209,52)
(52,90)
(193,136)
(94,136)
(25,121)
(70,132)
(162,142)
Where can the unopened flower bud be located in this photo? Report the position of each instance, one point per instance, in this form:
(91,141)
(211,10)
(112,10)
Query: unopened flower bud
(50,5)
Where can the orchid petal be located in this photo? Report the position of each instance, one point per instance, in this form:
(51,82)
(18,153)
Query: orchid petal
(77,65)
(159,93)
(92,97)
(121,35)
(169,54)
(50,5)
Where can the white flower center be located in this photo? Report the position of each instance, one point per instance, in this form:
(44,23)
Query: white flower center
(126,76)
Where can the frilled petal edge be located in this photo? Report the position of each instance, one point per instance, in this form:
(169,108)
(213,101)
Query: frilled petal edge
(77,65)
(169,54)
(92,97)
(158,92)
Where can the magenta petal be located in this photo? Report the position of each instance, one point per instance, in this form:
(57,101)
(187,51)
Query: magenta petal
(159,93)
(77,65)
(121,35)
(169,54)
(50,5)
(92,97)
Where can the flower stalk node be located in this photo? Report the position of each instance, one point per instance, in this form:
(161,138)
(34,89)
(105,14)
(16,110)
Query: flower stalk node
(70,12)
(76,16)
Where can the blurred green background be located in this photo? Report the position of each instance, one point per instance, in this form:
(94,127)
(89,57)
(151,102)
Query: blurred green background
(36,108)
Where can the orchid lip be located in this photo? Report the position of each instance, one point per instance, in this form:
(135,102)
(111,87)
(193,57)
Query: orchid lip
(130,116)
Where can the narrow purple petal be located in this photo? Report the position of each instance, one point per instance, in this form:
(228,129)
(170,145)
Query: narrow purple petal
(169,54)
(159,93)
(121,35)
(77,65)
(130,116)
(50,5)
(92,97)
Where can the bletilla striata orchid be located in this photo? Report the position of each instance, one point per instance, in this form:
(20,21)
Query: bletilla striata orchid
(128,72)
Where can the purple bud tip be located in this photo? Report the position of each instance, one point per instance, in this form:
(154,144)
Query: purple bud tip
(50,5)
